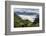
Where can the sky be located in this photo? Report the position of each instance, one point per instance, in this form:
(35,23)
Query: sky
(27,10)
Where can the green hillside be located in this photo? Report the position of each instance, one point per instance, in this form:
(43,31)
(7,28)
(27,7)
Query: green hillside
(18,22)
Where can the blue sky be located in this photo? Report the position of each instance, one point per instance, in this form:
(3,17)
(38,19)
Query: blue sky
(27,10)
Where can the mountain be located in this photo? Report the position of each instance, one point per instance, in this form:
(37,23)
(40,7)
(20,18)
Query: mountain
(19,22)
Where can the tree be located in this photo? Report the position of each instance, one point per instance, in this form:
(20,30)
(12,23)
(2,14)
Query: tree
(36,21)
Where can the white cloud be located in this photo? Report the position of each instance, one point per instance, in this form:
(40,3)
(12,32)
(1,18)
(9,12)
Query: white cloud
(30,18)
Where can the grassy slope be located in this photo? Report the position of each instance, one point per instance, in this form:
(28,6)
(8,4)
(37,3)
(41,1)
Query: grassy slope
(18,22)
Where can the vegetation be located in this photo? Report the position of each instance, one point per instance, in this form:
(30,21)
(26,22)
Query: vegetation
(18,22)
(36,22)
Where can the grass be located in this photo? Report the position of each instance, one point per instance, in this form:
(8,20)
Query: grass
(18,22)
